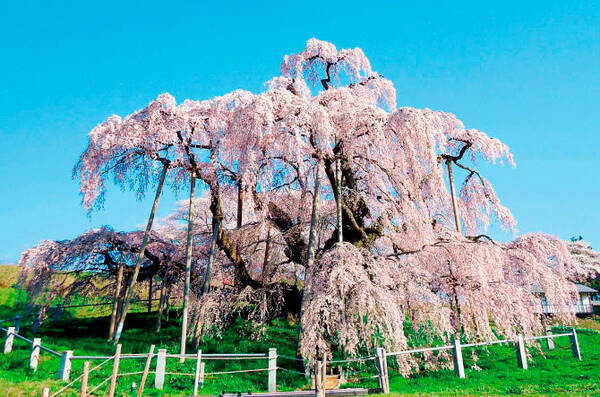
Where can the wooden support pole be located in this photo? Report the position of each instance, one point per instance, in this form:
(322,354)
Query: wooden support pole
(211,256)
(454,199)
(115,372)
(188,269)
(10,337)
(161,304)
(272,370)
(575,345)
(136,270)
(65,365)
(383,379)
(116,302)
(120,303)
(459,367)
(46,392)
(161,363)
(338,193)
(37,321)
(197,374)
(240,202)
(150,295)
(34,357)
(84,379)
(521,354)
(140,391)
(167,305)
(17,323)
(550,339)
(57,312)
(317,378)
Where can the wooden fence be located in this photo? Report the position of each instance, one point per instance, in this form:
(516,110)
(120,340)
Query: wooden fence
(318,370)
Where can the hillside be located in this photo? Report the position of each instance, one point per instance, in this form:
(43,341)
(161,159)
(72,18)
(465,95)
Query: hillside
(496,373)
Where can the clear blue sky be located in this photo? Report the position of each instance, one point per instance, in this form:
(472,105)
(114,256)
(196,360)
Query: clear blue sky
(525,72)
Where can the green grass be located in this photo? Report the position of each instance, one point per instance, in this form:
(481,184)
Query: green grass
(553,373)
(84,331)
(87,336)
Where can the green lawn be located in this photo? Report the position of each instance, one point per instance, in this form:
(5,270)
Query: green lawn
(558,373)
(551,372)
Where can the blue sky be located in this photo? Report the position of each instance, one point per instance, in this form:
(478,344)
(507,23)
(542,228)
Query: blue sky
(525,72)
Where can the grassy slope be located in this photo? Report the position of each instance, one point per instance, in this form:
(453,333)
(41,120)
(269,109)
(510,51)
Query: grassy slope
(557,374)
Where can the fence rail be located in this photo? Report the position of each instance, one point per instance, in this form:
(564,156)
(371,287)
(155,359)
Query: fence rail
(61,306)
(319,369)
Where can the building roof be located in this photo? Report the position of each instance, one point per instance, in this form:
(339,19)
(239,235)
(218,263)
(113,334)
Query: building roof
(584,288)
(536,289)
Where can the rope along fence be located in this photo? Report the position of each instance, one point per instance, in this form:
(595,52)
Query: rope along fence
(355,367)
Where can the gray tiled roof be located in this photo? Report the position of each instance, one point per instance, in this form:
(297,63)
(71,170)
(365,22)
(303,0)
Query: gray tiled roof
(535,288)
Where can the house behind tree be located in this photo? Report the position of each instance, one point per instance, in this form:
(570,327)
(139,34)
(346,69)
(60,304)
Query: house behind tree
(588,298)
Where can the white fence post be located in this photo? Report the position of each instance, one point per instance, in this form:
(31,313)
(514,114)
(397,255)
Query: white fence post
(161,363)
(10,337)
(272,370)
(384,382)
(46,392)
(459,367)
(35,354)
(521,354)
(320,374)
(197,374)
(379,371)
(550,339)
(201,378)
(65,365)
(575,345)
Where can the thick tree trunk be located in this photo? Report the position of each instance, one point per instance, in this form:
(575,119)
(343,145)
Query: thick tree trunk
(453,194)
(240,203)
(211,255)
(136,271)
(229,247)
(161,305)
(188,268)
(354,209)
(338,189)
(117,298)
